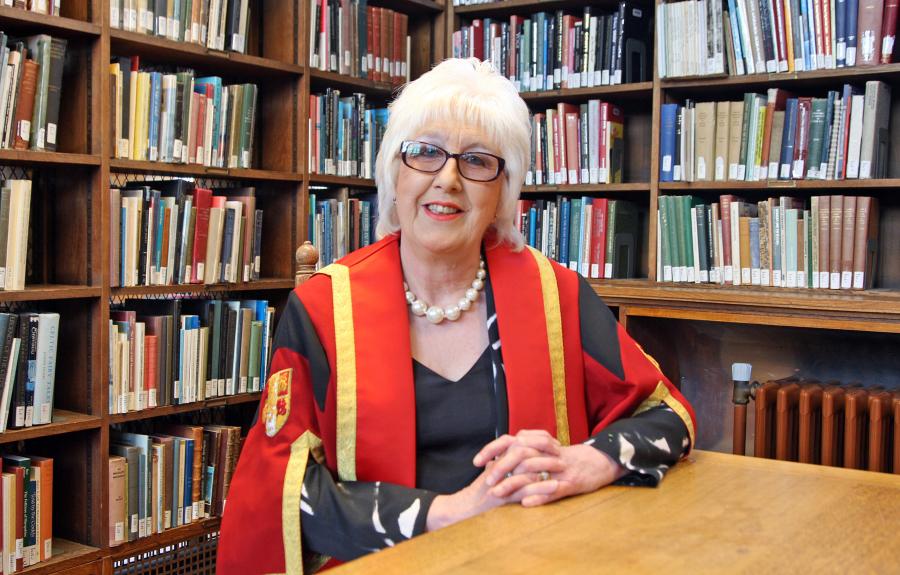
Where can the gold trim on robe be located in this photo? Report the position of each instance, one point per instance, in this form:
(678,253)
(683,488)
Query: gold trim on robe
(290,501)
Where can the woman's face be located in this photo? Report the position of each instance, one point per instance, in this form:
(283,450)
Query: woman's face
(444,212)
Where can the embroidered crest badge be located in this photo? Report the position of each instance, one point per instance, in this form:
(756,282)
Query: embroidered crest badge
(278,401)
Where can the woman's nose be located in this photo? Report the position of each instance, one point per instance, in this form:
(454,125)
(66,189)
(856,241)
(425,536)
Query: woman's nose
(448,177)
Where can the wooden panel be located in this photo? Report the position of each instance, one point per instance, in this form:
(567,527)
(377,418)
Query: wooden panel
(277,123)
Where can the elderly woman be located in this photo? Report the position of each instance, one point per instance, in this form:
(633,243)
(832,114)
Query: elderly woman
(444,370)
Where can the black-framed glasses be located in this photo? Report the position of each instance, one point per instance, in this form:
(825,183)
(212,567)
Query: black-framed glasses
(428,158)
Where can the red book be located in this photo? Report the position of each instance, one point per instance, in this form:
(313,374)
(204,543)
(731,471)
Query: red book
(45,537)
(558,153)
(598,237)
(397,52)
(200,148)
(515,24)
(562,169)
(478,39)
(868,35)
(826,30)
(780,38)
(387,31)
(573,149)
(370,41)
(725,215)
(25,104)
(151,373)
(374,20)
(404,56)
(202,201)
(539,120)
(603,139)
(888,30)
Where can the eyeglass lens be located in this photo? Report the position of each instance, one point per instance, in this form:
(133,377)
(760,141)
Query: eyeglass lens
(476,166)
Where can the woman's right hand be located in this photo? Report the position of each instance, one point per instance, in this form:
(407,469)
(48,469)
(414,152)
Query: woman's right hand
(469,501)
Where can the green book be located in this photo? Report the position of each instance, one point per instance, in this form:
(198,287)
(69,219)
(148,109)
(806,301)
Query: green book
(255,344)
(39,48)
(745,135)
(663,237)
(816,136)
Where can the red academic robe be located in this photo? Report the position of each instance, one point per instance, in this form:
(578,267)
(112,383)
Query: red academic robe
(367,429)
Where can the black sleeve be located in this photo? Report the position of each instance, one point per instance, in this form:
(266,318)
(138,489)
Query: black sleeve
(346,520)
(647,444)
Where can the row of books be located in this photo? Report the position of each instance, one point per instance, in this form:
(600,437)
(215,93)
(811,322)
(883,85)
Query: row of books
(341,224)
(349,37)
(216,24)
(779,242)
(15,215)
(778,136)
(170,232)
(159,116)
(27,368)
(51,7)
(200,349)
(31,71)
(698,37)
(549,51)
(577,144)
(176,476)
(26,523)
(597,237)
(344,134)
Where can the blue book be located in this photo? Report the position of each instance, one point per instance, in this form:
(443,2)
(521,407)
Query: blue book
(145,444)
(311,220)
(668,119)
(200,86)
(227,240)
(155,107)
(736,36)
(320,122)
(326,233)
(177,509)
(565,207)
(532,227)
(787,139)
(188,479)
(754,250)
(840,32)
(851,17)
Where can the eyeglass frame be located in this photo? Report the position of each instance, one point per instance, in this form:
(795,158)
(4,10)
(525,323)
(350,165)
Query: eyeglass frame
(501,162)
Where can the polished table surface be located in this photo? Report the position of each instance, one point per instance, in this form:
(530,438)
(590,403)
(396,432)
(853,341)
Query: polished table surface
(714,513)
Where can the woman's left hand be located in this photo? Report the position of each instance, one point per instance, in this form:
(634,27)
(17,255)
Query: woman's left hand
(532,467)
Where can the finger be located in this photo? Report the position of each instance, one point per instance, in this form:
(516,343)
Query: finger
(509,461)
(538,464)
(512,484)
(540,499)
(538,439)
(548,488)
(493,449)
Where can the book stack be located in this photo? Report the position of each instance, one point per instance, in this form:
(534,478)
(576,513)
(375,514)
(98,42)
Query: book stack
(698,37)
(549,51)
(27,368)
(186,351)
(577,144)
(176,476)
(778,242)
(216,24)
(170,232)
(50,7)
(175,117)
(778,136)
(31,72)
(344,134)
(597,237)
(27,511)
(342,223)
(351,38)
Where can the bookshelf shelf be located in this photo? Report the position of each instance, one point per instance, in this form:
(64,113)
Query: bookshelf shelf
(195,170)
(639,187)
(508,7)
(238,65)
(185,408)
(195,290)
(319,80)
(849,185)
(20,21)
(411,6)
(32,158)
(324,179)
(47,292)
(62,422)
(877,310)
(794,79)
(643,90)
(66,555)
(167,537)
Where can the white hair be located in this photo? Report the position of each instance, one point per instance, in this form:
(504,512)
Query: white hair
(462,92)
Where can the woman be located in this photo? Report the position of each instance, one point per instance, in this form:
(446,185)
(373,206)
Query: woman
(392,408)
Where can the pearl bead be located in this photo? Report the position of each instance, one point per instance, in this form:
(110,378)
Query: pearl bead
(434,314)
(410,297)
(452,313)
(481,274)
(471,294)
(464,304)
(478,284)
(419,307)
(481,264)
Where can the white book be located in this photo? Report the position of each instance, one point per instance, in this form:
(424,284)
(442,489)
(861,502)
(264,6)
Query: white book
(17,239)
(9,382)
(695,247)
(213,246)
(854,141)
(45,376)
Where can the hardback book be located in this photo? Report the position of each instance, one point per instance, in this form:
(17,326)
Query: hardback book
(873,156)
(21,466)
(865,243)
(43,470)
(54,91)
(12,508)
(132,455)
(45,376)
(39,48)
(17,234)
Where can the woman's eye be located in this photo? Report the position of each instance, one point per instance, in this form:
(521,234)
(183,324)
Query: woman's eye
(474,160)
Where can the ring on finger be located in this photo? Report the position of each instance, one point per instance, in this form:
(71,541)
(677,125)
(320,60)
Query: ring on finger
(543,476)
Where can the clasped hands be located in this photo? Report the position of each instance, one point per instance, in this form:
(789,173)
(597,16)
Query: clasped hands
(530,468)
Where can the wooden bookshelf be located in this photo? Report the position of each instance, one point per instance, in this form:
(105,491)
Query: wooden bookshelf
(165,410)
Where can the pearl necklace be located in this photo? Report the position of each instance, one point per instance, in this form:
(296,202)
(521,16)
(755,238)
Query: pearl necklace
(436,314)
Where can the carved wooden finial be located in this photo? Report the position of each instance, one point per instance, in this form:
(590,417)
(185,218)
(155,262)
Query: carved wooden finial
(306,257)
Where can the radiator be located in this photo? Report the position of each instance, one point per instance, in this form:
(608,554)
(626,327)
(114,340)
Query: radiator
(839,425)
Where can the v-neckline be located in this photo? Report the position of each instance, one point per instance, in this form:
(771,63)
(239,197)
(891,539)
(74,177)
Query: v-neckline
(463,376)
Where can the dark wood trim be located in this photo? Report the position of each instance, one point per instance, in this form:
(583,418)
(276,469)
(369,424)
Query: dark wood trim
(186,408)
(411,7)
(320,79)
(62,422)
(638,187)
(46,292)
(66,555)
(196,170)
(636,90)
(167,537)
(26,21)
(324,179)
(783,184)
(835,76)
(201,289)
(507,7)
(34,158)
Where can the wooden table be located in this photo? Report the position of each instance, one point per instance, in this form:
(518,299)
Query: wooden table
(714,513)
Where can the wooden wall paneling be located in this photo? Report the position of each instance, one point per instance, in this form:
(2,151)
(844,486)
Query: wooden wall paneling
(277,125)
(281,20)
